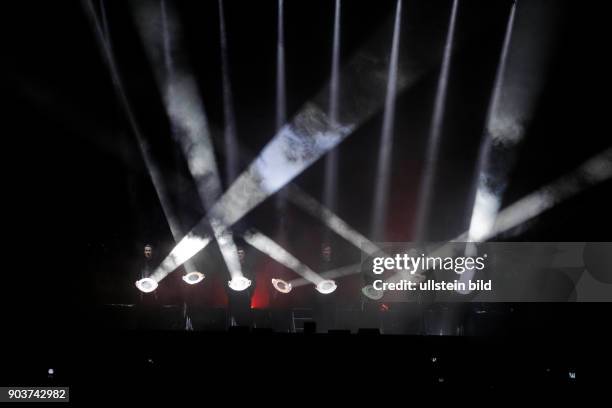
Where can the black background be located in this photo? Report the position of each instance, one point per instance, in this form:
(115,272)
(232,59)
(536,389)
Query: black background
(76,191)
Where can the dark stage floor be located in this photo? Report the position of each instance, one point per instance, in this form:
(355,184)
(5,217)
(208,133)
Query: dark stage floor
(141,364)
(546,347)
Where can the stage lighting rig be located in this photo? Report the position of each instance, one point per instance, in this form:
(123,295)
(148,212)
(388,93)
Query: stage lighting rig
(372,293)
(146,285)
(192,278)
(281,285)
(326,287)
(239,283)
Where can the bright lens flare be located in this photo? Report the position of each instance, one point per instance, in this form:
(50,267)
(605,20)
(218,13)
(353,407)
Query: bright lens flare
(281,285)
(326,287)
(146,285)
(193,277)
(239,283)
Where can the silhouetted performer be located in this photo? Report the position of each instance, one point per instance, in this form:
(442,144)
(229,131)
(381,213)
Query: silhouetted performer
(147,265)
(142,269)
(324,308)
(240,301)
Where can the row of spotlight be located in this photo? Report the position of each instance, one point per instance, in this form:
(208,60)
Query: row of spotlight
(238,283)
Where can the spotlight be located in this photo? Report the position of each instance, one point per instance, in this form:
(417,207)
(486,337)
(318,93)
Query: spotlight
(193,277)
(281,285)
(239,283)
(383,172)
(279,254)
(372,293)
(299,143)
(146,285)
(327,286)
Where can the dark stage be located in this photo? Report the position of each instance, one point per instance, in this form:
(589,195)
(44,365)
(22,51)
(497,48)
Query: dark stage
(231,192)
